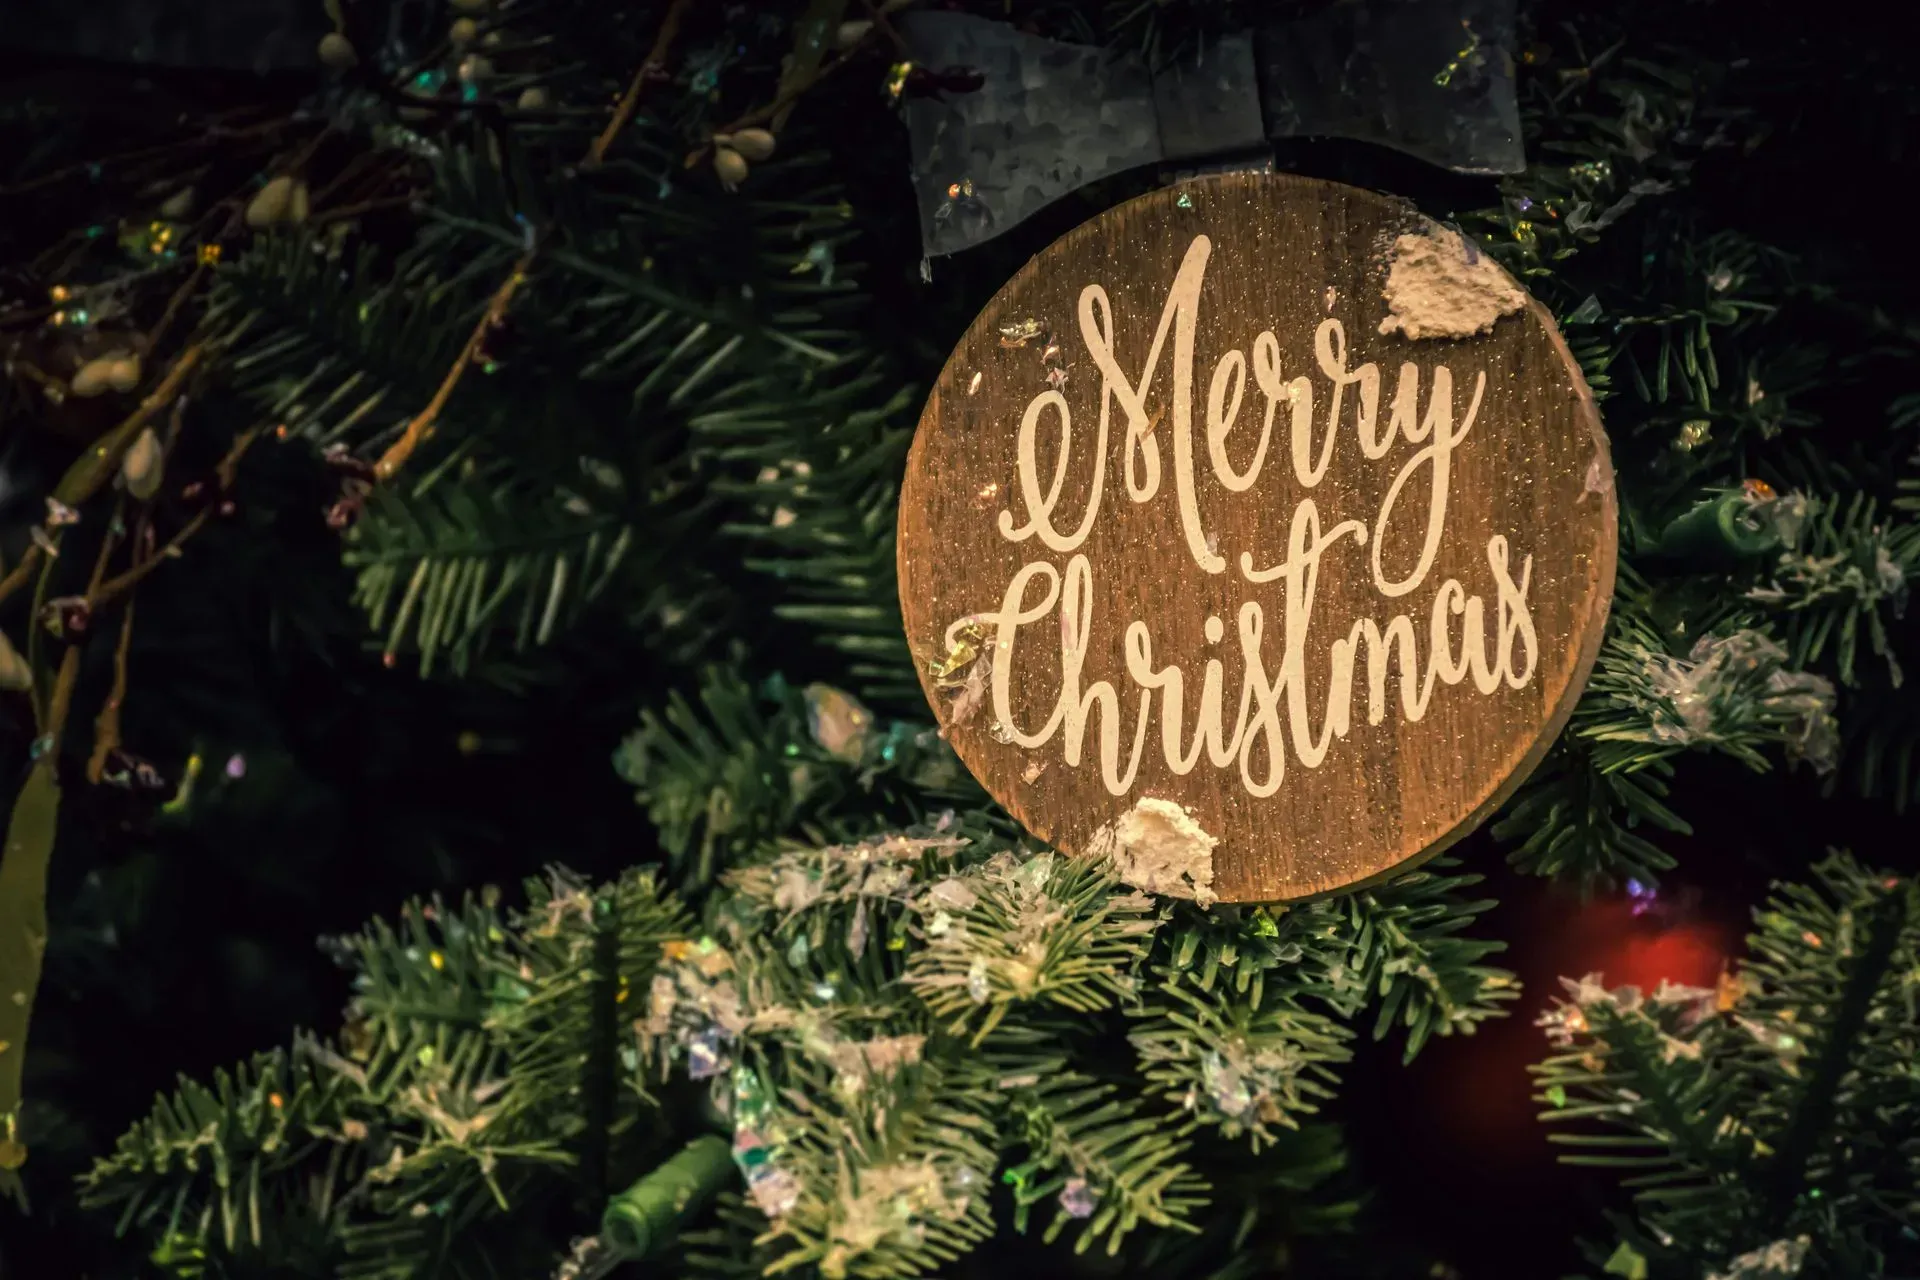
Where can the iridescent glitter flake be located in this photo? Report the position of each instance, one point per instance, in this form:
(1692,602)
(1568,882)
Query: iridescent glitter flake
(1020,332)
(706,1054)
(950,672)
(1467,58)
(774,1191)
(1077,1199)
(973,694)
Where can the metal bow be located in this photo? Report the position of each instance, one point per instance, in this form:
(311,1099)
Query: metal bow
(1428,77)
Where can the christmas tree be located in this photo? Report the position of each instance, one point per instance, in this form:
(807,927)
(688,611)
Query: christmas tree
(380,445)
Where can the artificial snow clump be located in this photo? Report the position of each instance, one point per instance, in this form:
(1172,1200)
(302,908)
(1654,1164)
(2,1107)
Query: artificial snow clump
(1159,847)
(1781,1258)
(858,1061)
(1441,286)
(1733,684)
(890,1205)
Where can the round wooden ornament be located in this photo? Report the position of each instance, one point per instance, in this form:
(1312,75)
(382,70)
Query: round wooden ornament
(1258,535)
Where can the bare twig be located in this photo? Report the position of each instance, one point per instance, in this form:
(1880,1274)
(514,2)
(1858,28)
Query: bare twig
(187,289)
(106,725)
(654,66)
(115,587)
(112,589)
(175,422)
(18,575)
(879,15)
(32,373)
(350,171)
(363,206)
(215,134)
(96,466)
(107,545)
(762,115)
(421,425)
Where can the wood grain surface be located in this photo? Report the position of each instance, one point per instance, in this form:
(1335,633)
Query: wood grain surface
(1282,255)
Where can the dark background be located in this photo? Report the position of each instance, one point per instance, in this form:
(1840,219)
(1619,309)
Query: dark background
(183,950)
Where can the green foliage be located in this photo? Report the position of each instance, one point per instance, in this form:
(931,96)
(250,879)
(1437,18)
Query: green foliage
(479,1073)
(325,346)
(1244,1068)
(639,383)
(1903,416)
(1075,1125)
(1402,949)
(1395,943)
(1708,347)
(823,490)
(1676,674)
(885,1138)
(208,1169)
(891,1183)
(1045,931)
(1022,1003)
(1731,692)
(749,766)
(1775,1114)
(445,567)
(1841,583)
(1687,667)
(1575,823)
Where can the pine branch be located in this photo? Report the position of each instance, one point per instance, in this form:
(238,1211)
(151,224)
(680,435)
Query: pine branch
(749,766)
(1841,580)
(652,69)
(892,1183)
(1247,1069)
(457,564)
(1760,1117)
(1815,1110)
(1394,943)
(1007,934)
(1572,822)
(421,425)
(1100,1158)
